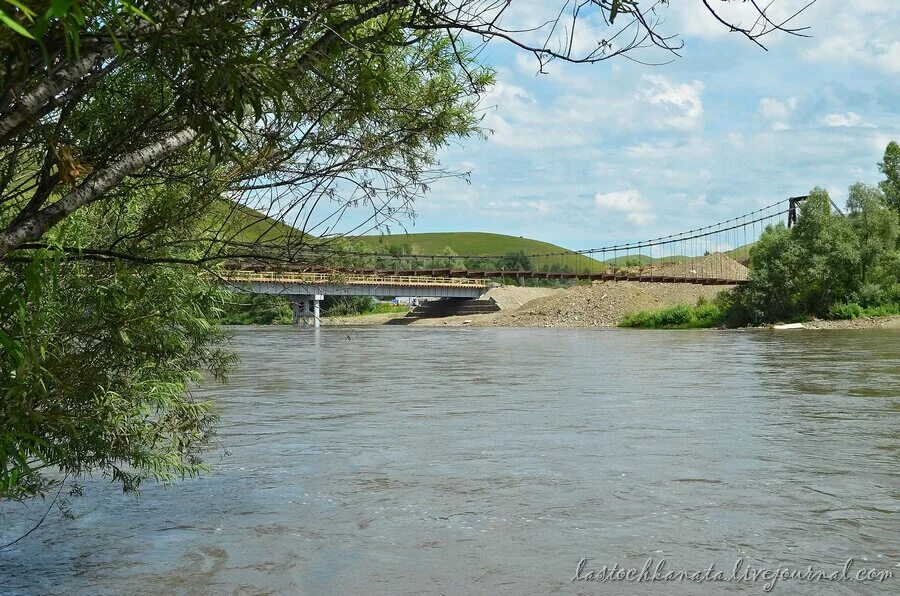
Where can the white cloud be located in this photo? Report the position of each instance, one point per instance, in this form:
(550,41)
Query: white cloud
(683,145)
(862,33)
(693,148)
(681,102)
(628,202)
(848,119)
(777,112)
(692,19)
(880,141)
(517,120)
(859,48)
(533,207)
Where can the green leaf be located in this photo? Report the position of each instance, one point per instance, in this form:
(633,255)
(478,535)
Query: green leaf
(15,26)
(28,12)
(59,8)
(614,10)
(135,10)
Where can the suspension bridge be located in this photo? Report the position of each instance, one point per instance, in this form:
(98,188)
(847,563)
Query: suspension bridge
(711,255)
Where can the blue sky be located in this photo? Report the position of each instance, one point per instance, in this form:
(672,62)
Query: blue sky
(591,155)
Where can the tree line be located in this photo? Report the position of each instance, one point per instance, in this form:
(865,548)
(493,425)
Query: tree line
(829,265)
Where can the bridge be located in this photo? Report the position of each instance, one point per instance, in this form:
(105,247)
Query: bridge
(697,256)
(305,289)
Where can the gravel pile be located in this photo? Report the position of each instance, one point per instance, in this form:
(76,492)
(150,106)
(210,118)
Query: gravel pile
(604,304)
(713,265)
(512,297)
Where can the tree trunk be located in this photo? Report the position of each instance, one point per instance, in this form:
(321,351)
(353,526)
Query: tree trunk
(94,188)
(31,103)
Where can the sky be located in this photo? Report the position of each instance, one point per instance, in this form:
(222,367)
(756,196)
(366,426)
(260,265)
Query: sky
(592,155)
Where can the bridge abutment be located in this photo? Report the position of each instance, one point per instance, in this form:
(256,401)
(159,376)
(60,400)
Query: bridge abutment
(305,309)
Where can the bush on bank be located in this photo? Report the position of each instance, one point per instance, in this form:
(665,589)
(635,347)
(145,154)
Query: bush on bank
(701,315)
(852,310)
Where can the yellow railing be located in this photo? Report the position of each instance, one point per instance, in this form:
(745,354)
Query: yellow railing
(351,279)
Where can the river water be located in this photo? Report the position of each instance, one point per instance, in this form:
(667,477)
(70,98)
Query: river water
(453,461)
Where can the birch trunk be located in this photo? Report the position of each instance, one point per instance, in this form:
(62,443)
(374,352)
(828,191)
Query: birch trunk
(33,101)
(34,227)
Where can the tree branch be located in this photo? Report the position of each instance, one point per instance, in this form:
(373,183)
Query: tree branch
(92,189)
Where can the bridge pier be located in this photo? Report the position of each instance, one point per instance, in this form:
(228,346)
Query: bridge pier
(305,309)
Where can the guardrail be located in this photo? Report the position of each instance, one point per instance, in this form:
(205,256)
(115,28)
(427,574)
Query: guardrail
(351,279)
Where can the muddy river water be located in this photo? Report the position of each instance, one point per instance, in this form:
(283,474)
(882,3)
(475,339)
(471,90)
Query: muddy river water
(454,461)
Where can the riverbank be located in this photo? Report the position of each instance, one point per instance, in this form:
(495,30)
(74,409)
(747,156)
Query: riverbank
(368,319)
(603,304)
(889,322)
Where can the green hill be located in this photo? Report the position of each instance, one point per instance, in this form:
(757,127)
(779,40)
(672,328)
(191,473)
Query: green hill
(625,260)
(247,225)
(232,222)
(475,244)
(741,253)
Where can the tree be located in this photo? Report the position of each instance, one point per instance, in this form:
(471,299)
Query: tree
(95,372)
(132,133)
(875,224)
(890,167)
(827,260)
(828,252)
(515,260)
(446,260)
(294,103)
(771,293)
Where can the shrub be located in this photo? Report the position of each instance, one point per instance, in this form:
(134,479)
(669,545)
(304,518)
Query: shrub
(845,311)
(677,317)
(883,310)
(337,306)
(255,309)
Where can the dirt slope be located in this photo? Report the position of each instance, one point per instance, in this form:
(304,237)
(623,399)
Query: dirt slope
(512,297)
(603,304)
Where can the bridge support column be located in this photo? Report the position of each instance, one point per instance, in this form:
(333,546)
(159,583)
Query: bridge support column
(305,310)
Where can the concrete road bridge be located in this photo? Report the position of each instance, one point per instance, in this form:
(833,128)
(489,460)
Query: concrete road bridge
(306,289)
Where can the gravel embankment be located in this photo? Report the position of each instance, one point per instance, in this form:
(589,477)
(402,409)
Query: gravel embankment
(375,319)
(892,322)
(513,297)
(604,304)
(714,265)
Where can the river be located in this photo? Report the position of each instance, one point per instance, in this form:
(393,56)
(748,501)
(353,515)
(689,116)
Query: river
(453,461)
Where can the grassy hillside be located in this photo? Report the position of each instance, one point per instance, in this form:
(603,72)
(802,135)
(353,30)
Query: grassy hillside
(741,253)
(242,224)
(246,225)
(237,223)
(478,244)
(630,260)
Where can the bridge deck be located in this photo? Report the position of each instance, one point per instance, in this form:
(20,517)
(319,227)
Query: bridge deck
(447,278)
(352,279)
